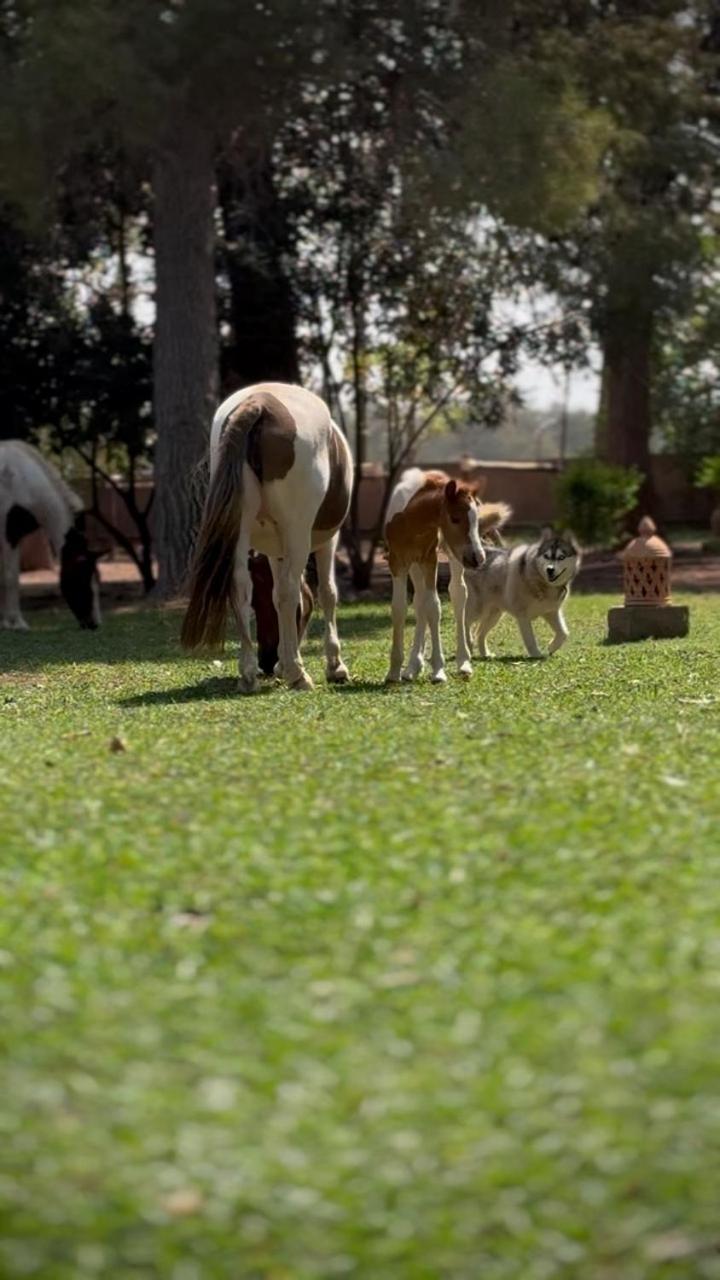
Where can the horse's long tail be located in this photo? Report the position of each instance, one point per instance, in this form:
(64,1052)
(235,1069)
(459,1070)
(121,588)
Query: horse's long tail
(213,568)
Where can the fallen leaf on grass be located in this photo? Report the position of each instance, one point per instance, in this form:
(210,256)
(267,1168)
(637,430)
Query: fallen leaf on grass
(183,1202)
(195,920)
(398,978)
(671,1246)
(116,745)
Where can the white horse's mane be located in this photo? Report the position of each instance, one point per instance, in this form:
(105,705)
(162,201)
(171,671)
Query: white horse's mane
(69,495)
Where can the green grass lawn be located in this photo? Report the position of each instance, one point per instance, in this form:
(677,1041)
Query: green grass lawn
(408,984)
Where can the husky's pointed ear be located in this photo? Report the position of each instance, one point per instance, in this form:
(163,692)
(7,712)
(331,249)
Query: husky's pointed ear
(568,536)
(546,532)
(451,490)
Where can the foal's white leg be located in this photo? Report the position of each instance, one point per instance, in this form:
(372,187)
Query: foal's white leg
(399,609)
(458,594)
(335,670)
(432,613)
(11,618)
(416,660)
(296,550)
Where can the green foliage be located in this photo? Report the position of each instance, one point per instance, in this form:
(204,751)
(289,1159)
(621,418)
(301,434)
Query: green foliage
(708,474)
(594,496)
(533,146)
(394,984)
(686,393)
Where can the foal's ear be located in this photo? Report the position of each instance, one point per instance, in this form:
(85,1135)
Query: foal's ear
(451,490)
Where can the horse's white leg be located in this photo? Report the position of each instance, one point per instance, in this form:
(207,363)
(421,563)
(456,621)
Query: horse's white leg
(432,613)
(275,566)
(399,609)
(11,618)
(335,669)
(458,594)
(416,659)
(242,596)
(296,550)
(247,661)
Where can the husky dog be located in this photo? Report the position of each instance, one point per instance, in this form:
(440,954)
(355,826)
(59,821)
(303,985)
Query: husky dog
(531,581)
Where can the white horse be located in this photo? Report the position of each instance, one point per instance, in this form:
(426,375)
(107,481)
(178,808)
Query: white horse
(33,494)
(280,482)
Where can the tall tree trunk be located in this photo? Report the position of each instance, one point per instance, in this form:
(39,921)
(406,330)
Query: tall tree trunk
(626,358)
(261,308)
(625,420)
(361,566)
(186,343)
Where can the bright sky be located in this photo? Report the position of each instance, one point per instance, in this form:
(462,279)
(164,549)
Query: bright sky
(542,387)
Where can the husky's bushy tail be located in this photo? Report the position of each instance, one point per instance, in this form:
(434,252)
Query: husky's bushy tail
(213,568)
(492,516)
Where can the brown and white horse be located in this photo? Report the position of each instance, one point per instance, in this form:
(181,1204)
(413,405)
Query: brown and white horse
(280,482)
(33,494)
(428,511)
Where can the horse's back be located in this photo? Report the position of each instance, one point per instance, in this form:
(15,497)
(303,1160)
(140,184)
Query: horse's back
(407,487)
(296,456)
(28,479)
(21,475)
(310,414)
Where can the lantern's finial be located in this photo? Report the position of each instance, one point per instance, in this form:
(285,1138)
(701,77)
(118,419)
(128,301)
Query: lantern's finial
(647,527)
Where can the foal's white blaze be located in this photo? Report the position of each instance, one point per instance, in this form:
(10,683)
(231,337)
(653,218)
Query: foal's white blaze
(474,534)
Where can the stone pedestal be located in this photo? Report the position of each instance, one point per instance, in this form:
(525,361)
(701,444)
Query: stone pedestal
(646,621)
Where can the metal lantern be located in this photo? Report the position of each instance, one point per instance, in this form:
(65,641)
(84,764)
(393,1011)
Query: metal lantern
(648,611)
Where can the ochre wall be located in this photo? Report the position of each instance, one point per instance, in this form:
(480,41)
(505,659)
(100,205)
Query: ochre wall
(527,486)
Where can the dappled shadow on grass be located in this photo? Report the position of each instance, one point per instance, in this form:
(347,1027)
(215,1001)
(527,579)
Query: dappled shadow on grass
(214,688)
(217,687)
(359,686)
(144,634)
(518,659)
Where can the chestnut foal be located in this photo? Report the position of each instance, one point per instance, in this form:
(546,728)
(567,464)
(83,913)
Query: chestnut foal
(427,511)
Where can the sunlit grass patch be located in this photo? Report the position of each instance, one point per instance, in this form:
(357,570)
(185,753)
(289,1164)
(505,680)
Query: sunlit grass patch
(414,982)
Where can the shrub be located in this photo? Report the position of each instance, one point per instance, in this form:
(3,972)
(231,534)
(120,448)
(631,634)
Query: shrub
(708,473)
(594,496)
